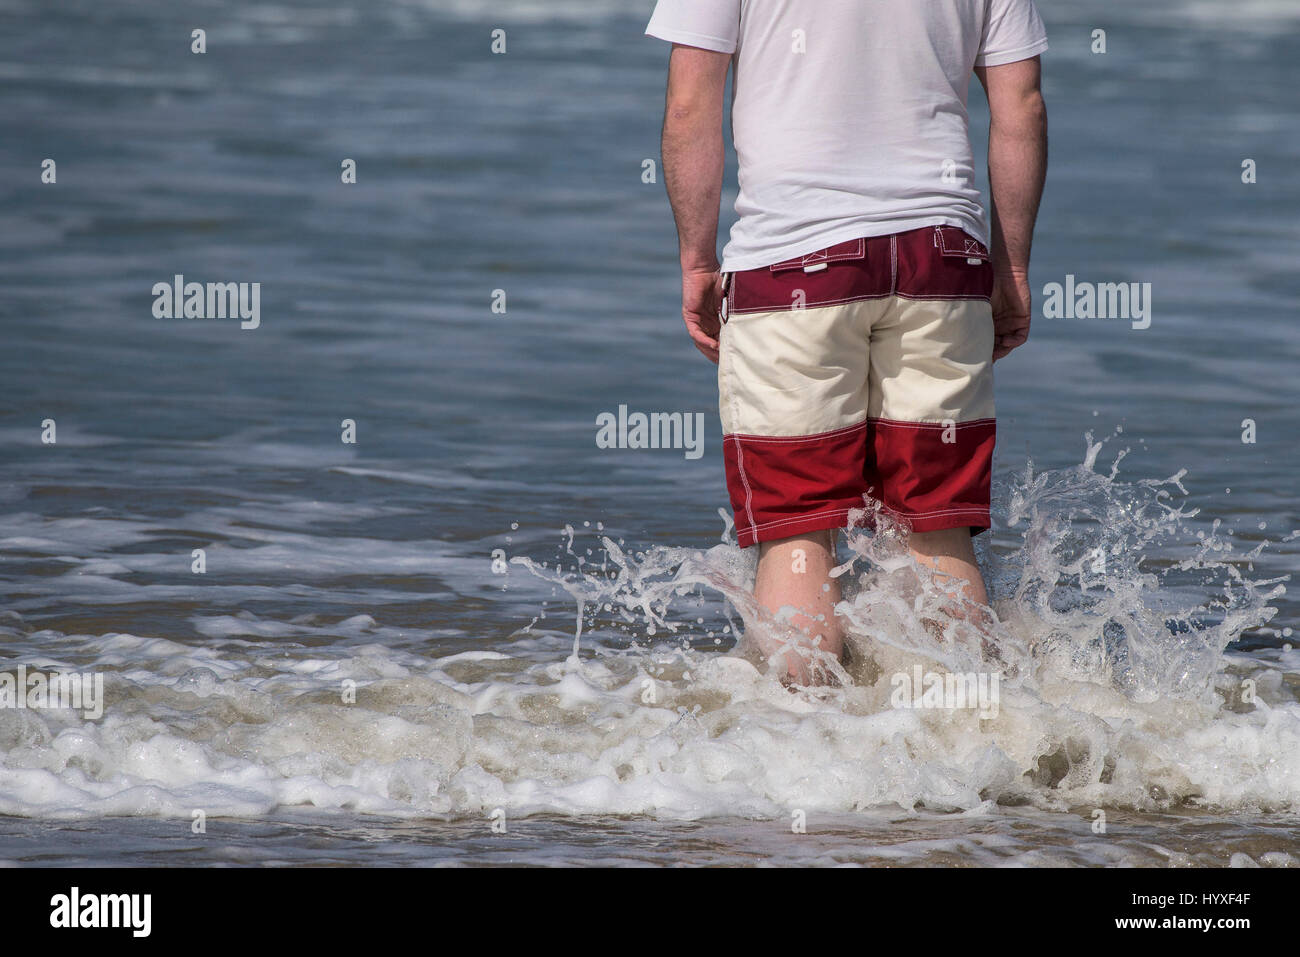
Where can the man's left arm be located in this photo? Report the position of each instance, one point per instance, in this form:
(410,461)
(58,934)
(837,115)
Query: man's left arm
(693,168)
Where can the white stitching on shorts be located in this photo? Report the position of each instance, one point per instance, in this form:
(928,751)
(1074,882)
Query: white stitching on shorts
(903,424)
(975,510)
(778,522)
(761,310)
(817,436)
(749,493)
(903,295)
(740,454)
(893,264)
(858,251)
(764,310)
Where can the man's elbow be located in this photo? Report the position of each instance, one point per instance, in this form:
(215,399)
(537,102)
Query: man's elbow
(697,80)
(692,112)
(1025,115)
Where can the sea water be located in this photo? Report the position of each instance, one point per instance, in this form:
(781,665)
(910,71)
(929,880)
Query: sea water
(474,635)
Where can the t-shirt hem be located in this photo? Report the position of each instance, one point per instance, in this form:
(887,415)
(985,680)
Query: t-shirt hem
(686,38)
(732,263)
(1012,56)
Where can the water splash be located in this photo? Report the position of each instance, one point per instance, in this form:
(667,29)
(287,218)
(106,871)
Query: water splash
(1101,588)
(1116,610)
(1114,616)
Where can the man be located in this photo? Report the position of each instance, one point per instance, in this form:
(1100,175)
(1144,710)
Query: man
(861,300)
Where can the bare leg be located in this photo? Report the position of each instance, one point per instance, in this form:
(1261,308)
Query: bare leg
(795,572)
(951,552)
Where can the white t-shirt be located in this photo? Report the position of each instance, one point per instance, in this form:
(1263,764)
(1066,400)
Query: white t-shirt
(849,116)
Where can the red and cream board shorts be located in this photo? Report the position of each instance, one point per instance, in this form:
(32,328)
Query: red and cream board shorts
(861,369)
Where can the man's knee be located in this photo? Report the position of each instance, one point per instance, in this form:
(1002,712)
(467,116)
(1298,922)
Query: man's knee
(946,542)
(820,541)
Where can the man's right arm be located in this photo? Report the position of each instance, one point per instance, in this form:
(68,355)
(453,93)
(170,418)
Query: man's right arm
(1017,172)
(693,168)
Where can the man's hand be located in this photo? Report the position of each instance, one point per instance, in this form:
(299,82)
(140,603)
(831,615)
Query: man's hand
(1012,307)
(701,306)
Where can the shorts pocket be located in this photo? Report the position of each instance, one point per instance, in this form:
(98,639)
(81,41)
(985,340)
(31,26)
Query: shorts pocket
(833,275)
(814,262)
(954,241)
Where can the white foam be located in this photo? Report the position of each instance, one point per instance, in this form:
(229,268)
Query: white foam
(1117,693)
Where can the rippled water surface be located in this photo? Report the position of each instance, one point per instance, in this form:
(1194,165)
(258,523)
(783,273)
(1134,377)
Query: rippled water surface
(1158,687)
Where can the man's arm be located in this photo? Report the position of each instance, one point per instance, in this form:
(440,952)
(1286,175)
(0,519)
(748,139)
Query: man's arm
(1017,171)
(693,164)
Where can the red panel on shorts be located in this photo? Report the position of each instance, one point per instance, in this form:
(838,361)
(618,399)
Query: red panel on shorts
(781,487)
(936,484)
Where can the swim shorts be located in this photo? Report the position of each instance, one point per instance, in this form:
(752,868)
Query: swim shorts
(862,369)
